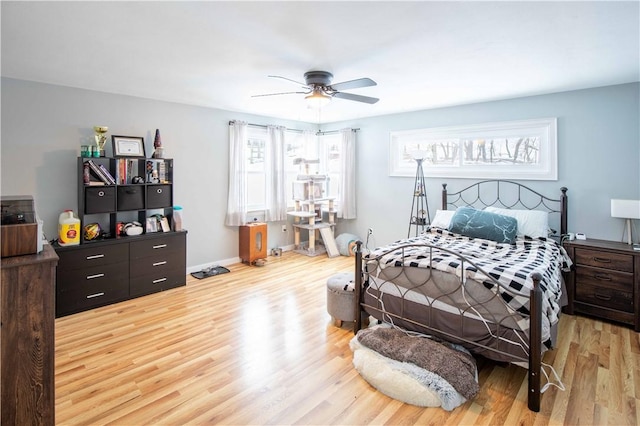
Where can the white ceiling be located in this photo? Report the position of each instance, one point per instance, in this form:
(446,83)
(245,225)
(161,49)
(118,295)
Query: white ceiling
(421,54)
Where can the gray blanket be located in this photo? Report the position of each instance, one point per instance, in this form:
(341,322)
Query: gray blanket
(456,367)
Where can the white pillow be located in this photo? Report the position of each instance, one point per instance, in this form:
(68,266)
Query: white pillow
(532,223)
(442,219)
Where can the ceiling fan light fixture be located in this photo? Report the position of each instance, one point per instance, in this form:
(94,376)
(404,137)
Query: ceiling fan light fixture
(317,98)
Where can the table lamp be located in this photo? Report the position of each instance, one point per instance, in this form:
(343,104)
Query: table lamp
(626,209)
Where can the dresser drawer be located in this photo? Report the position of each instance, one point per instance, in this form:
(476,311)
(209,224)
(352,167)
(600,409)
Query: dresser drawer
(81,289)
(96,275)
(97,255)
(160,263)
(166,244)
(603,259)
(163,280)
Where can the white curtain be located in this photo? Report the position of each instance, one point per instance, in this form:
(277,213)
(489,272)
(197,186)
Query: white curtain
(347,200)
(276,204)
(237,197)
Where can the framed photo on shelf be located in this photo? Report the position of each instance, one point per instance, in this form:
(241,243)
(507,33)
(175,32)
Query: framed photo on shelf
(152,224)
(128,146)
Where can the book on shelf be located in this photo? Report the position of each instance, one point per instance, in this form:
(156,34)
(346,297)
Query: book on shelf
(123,174)
(107,174)
(96,170)
(86,176)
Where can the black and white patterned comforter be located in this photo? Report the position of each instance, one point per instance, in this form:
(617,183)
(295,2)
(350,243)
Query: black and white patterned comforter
(510,264)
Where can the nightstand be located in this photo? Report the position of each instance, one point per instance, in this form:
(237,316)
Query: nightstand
(604,281)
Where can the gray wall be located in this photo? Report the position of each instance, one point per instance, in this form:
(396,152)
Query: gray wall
(598,157)
(44,125)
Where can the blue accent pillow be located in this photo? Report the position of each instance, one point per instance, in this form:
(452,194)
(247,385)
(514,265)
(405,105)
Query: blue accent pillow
(475,223)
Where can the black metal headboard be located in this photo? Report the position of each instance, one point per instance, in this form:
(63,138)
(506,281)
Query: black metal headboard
(506,194)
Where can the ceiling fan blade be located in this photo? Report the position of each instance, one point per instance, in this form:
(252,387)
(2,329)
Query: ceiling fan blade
(288,79)
(357,98)
(281,93)
(353,84)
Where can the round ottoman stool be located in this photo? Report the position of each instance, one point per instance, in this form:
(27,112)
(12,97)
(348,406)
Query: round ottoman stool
(341,298)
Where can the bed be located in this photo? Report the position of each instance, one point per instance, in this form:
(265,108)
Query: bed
(499,296)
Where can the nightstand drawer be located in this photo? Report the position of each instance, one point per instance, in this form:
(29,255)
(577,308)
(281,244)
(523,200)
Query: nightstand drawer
(608,297)
(603,259)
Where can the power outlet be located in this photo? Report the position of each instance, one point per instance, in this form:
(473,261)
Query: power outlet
(284,228)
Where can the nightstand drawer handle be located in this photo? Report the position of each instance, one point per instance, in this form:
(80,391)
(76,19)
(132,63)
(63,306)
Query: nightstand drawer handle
(91,296)
(95,256)
(602,277)
(90,277)
(602,259)
(164,262)
(159,280)
(602,296)
(159,246)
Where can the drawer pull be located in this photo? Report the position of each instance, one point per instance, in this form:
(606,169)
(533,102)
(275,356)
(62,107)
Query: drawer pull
(159,246)
(602,277)
(164,262)
(159,190)
(602,296)
(159,280)
(95,256)
(90,277)
(91,296)
(602,259)
(100,193)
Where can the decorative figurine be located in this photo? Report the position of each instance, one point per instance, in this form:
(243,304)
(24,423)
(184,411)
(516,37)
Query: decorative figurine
(157,144)
(100,137)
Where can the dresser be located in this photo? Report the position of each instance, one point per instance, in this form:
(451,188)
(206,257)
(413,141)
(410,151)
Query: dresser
(604,281)
(92,275)
(28,345)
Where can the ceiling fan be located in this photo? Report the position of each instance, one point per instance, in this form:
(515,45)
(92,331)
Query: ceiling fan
(319,90)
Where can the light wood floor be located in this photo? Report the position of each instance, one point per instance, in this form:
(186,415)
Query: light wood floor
(256,346)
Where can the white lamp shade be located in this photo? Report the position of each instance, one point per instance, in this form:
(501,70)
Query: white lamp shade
(626,209)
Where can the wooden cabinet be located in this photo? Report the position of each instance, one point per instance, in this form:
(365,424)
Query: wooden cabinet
(28,345)
(253,242)
(604,281)
(118,267)
(92,275)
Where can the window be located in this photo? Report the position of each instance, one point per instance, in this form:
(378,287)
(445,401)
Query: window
(256,140)
(298,145)
(525,149)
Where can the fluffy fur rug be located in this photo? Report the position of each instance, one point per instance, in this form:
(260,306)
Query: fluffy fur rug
(457,368)
(414,370)
(404,381)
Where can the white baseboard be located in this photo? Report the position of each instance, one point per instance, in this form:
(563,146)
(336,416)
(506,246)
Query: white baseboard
(226,262)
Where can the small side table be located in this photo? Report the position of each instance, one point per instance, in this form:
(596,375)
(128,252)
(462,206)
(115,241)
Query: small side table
(253,242)
(605,280)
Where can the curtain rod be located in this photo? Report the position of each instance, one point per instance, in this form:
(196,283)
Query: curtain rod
(318,133)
